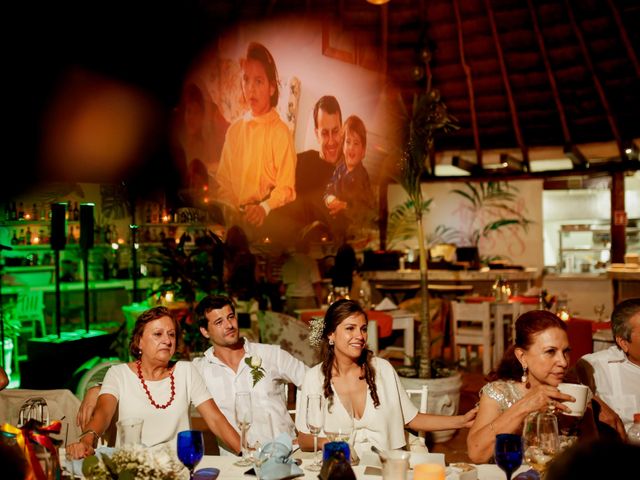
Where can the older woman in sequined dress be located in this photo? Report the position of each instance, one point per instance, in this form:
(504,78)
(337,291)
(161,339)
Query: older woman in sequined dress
(155,389)
(526,381)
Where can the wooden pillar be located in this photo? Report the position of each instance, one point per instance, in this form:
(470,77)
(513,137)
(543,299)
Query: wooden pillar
(618,218)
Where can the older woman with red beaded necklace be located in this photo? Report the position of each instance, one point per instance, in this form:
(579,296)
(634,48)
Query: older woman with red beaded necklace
(154,389)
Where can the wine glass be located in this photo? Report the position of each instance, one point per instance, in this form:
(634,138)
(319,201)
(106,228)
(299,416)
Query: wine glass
(337,428)
(508,452)
(314,424)
(190,449)
(540,440)
(243,420)
(259,455)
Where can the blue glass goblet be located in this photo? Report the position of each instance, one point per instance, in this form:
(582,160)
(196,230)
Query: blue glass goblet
(508,452)
(190,449)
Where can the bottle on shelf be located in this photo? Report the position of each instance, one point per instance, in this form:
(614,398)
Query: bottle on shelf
(69,212)
(155,213)
(21,211)
(15,240)
(76,212)
(14,212)
(34,212)
(21,237)
(27,236)
(148,213)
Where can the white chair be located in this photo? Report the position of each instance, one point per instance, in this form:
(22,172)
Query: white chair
(95,375)
(372,336)
(418,444)
(472,326)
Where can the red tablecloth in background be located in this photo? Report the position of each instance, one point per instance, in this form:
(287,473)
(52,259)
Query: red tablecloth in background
(518,299)
(384,320)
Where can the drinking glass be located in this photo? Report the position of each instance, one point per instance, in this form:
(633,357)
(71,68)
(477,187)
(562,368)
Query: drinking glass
(190,449)
(540,440)
(314,424)
(508,452)
(243,420)
(260,455)
(337,428)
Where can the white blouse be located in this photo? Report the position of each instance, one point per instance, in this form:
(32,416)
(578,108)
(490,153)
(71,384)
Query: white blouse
(382,426)
(160,425)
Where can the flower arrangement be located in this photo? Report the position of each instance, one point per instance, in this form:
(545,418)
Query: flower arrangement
(137,462)
(257,372)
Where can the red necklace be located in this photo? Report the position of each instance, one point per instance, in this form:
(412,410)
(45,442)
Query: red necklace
(146,389)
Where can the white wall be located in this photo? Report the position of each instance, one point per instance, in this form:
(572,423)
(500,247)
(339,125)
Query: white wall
(449,209)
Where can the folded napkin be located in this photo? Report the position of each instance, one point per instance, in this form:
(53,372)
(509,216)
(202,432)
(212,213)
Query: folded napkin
(385,305)
(279,465)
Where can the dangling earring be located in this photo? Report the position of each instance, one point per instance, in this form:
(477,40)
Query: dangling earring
(525,377)
(331,342)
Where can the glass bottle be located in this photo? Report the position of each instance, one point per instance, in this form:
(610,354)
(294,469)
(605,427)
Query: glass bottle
(76,212)
(21,211)
(15,240)
(633,434)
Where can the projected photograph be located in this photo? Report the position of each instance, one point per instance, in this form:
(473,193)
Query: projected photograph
(287,127)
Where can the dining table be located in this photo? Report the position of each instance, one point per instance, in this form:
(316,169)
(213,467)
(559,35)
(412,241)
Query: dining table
(228,471)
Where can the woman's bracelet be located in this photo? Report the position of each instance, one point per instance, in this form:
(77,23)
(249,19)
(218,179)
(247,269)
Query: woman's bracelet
(94,433)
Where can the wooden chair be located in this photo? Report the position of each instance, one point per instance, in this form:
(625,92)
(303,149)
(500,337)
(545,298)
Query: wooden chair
(472,326)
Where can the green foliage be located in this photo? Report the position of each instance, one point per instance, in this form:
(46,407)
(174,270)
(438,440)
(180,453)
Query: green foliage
(257,373)
(494,204)
(402,223)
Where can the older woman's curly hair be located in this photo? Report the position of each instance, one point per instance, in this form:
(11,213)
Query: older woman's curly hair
(145,317)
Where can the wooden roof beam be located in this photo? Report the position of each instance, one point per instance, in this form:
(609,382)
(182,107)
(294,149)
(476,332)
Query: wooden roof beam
(507,85)
(466,165)
(467,73)
(552,79)
(625,37)
(574,154)
(596,81)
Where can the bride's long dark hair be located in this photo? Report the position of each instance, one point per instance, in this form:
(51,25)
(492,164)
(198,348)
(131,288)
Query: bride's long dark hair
(336,314)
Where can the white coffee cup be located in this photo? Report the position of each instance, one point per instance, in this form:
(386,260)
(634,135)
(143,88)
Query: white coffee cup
(580,393)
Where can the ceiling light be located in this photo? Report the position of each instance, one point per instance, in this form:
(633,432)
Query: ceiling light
(378,2)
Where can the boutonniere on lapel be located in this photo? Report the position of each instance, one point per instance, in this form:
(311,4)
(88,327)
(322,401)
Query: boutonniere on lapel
(257,372)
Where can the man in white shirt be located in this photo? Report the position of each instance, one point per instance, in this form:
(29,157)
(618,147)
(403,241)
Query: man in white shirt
(233,364)
(614,374)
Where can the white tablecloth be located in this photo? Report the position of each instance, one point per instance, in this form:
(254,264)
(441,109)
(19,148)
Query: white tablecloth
(228,471)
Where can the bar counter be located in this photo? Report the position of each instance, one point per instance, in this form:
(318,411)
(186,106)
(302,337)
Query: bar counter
(481,280)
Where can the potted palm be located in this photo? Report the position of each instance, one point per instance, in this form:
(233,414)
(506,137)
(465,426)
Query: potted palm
(429,117)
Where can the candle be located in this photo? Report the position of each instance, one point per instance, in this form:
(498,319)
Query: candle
(428,471)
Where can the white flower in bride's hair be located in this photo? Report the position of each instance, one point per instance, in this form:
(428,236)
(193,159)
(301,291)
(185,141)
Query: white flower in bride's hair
(316,326)
(256,361)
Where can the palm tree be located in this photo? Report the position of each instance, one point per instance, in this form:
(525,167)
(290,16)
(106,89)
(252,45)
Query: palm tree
(429,115)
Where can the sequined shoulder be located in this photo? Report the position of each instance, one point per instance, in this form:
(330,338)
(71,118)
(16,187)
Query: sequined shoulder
(506,393)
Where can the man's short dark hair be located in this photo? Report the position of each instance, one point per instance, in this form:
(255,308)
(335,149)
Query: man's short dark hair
(211,302)
(621,315)
(329,104)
